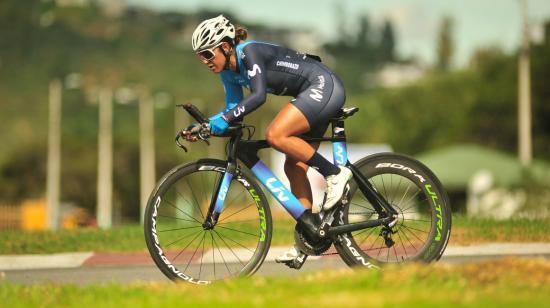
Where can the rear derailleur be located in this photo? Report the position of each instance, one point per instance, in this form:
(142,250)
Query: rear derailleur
(387,231)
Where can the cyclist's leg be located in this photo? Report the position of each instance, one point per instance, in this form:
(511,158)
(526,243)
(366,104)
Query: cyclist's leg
(283,131)
(296,172)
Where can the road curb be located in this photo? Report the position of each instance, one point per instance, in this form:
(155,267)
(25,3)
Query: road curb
(57,260)
(90,259)
(498,249)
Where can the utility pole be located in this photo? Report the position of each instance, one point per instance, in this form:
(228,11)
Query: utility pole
(105,160)
(524,94)
(54,154)
(146,148)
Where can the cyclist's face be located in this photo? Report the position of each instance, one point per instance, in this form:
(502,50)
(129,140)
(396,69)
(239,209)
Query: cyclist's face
(217,63)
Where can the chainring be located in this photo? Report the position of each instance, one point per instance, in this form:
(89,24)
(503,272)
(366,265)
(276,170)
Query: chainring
(315,247)
(308,246)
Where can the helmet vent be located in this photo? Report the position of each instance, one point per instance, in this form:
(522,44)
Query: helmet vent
(211,32)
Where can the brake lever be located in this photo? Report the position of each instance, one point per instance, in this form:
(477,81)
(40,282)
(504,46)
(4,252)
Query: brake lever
(178,136)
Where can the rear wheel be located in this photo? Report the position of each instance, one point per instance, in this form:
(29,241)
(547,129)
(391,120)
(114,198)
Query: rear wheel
(174,233)
(424,216)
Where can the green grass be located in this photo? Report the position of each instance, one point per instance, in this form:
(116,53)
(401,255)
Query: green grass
(508,282)
(118,239)
(466,231)
(130,238)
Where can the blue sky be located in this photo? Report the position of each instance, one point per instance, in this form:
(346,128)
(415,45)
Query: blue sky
(478,23)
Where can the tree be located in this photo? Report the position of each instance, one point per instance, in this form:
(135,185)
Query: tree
(387,42)
(445,45)
(363,35)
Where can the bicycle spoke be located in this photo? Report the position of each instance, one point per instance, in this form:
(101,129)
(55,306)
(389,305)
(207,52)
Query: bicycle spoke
(197,204)
(213,255)
(178,218)
(237,243)
(182,196)
(194,252)
(415,229)
(237,221)
(399,184)
(237,211)
(177,208)
(409,207)
(202,256)
(383,185)
(417,220)
(183,228)
(366,208)
(405,194)
(255,235)
(228,247)
(183,249)
(233,199)
(391,186)
(419,239)
(204,193)
(411,198)
(188,235)
(408,240)
(368,235)
(372,245)
(413,235)
(403,245)
(223,259)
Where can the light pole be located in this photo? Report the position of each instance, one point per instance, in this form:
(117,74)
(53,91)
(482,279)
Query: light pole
(54,154)
(146,148)
(104,205)
(524,94)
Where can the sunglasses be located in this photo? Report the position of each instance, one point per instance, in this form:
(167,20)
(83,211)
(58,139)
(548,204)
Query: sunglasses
(208,54)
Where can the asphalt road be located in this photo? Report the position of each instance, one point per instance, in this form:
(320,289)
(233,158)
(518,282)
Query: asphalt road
(148,273)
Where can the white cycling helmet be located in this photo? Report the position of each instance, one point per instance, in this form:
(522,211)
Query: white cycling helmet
(211,32)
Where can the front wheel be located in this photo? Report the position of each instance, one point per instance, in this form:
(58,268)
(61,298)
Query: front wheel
(180,244)
(424,214)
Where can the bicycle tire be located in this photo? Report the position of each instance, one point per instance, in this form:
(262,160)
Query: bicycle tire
(174,215)
(424,214)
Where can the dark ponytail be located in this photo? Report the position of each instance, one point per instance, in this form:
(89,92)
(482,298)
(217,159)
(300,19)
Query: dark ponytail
(240,34)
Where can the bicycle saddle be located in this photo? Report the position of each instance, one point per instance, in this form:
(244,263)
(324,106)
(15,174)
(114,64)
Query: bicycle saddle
(345,113)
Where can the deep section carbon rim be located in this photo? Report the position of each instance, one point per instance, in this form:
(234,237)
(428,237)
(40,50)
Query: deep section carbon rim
(183,248)
(423,225)
(413,228)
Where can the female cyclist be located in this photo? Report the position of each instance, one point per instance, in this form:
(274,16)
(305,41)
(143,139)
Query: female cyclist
(267,68)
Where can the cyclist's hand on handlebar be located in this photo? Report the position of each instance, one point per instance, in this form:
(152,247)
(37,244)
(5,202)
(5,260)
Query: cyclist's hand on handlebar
(218,126)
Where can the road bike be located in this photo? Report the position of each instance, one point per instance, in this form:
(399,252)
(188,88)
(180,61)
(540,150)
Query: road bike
(209,220)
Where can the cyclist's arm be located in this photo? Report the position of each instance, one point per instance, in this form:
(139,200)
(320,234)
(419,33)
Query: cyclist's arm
(233,95)
(254,63)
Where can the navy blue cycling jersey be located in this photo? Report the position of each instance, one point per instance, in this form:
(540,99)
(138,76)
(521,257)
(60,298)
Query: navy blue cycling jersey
(266,68)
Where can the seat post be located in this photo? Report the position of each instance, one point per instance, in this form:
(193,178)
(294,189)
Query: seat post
(339,146)
(338,129)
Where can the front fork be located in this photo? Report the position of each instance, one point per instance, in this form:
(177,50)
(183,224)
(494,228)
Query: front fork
(221,188)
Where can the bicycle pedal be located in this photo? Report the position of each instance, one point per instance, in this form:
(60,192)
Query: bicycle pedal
(297,262)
